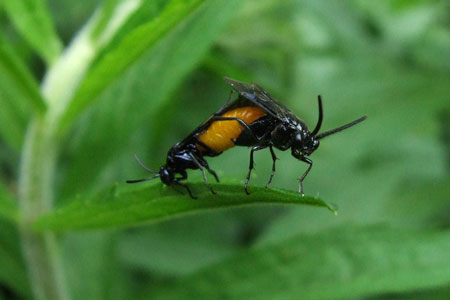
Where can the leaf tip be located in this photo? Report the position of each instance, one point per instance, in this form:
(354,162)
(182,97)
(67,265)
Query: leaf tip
(333,208)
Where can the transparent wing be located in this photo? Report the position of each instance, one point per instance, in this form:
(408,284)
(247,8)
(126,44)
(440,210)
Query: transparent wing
(263,99)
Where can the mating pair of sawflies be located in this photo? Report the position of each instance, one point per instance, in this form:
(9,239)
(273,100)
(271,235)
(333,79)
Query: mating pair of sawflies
(255,119)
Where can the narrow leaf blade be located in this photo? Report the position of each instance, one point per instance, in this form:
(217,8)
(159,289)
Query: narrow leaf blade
(32,19)
(344,263)
(12,268)
(8,207)
(19,95)
(17,81)
(121,206)
(135,44)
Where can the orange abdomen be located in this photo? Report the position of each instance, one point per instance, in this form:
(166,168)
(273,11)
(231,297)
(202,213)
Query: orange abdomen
(219,134)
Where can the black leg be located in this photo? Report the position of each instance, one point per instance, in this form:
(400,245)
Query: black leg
(186,187)
(183,176)
(274,159)
(197,163)
(213,173)
(251,166)
(204,163)
(310,163)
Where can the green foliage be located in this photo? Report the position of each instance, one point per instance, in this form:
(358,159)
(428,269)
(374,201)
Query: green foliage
(128,51)
(182,246)
(8,205)
(90,254)
(19,94)
(138,75)
(12,271)
(119,206)
(15,73)
(32,19)
(371,260)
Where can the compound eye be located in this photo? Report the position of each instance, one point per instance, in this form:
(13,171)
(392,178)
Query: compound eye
(164,173)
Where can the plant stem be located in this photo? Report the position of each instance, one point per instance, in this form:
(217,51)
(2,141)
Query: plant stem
(39,157)
(38,167)
(36,197)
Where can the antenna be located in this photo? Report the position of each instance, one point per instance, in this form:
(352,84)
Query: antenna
(333,131)
(143,166)
(319,122)
(146,169)
(143,179)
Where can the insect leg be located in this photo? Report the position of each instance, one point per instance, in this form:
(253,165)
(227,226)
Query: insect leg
(186,187)
(274,159)
(310,163)
(197,163)
(212,172)
(251,166)
(204,162)
(183,176)
(246,128)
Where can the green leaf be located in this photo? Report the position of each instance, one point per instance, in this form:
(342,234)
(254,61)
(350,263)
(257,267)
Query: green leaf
(440,293)
(118,60)
(183,245)
(32,19)
(18,80)
(12,271)
(344,263)
(19,93)
(106,14)
(12,125)
(8,206)
(120,206)
(90,257)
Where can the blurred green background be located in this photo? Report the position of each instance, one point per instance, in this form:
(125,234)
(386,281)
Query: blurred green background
(389,60)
